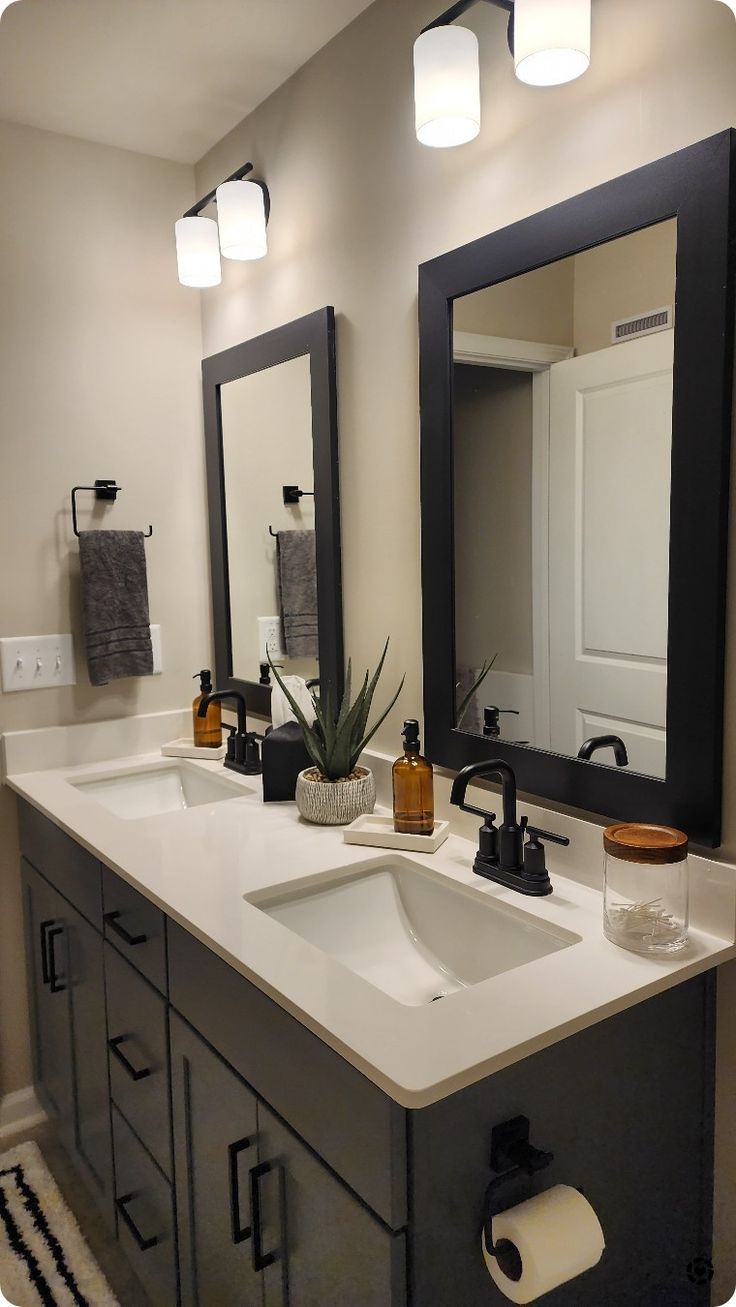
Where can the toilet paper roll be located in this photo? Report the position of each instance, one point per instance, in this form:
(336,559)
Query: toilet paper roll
(557,1235)
(281,711)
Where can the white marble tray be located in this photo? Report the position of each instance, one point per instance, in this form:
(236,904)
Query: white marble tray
(379,832)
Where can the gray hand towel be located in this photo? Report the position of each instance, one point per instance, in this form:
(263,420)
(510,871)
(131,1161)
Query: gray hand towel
(297,560)
(115,605)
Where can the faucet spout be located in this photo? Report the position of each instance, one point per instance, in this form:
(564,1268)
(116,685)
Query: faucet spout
(496,767)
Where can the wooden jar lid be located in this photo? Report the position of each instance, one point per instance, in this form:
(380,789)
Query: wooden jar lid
(636,842)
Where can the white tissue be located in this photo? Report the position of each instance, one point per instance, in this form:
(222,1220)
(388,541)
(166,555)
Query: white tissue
(558,1236)
(280,710)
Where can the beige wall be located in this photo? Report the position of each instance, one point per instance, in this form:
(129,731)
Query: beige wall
(358,204)
(99,377)
(623,279)
(492,451)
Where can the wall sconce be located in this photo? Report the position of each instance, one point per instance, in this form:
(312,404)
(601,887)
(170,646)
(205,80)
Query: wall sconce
(550,41)
(243,209)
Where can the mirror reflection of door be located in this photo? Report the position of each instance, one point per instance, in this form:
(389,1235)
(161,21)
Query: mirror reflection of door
(266,445)
(562,425)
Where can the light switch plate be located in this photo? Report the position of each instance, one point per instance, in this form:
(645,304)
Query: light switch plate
(36,662)
(270,639)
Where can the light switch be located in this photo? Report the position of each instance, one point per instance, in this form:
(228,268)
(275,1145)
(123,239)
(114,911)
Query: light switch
(36,662)
(158,658)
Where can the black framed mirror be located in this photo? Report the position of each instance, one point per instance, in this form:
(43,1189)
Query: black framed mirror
(576,394)
(270,422)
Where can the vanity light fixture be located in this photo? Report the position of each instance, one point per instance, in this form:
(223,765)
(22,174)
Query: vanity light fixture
(243,210)
(550,41)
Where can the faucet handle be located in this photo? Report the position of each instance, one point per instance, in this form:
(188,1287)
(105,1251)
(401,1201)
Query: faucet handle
(536,834)
(535,865)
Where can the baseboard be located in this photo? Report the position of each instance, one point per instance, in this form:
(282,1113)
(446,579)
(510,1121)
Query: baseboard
(20,1111)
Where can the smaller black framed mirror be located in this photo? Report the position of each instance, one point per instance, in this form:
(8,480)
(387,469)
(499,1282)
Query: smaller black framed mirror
(576,374)
(271,439)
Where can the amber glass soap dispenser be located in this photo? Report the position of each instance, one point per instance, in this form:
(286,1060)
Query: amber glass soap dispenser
(413,787)
(207,729)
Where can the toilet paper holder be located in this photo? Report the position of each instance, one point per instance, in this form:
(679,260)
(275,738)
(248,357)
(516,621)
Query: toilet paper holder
(512,1155)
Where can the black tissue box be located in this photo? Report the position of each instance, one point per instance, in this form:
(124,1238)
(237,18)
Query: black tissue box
(283,756)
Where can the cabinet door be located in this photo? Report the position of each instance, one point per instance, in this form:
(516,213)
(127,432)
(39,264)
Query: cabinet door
(316,1244)
(46,919)
(93,1137)
(214,1149)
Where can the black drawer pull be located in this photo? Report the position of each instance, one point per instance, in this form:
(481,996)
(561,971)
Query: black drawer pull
(260,1259)
(56,984)
(111,919)
(143,1244)
(114,1047)
(239,1232)
(44,953)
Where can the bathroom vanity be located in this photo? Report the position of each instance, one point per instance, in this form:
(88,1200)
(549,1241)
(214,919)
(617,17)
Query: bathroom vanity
(262,1125)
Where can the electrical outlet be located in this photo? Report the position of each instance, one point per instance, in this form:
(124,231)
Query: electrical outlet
(270,639)
(36,662)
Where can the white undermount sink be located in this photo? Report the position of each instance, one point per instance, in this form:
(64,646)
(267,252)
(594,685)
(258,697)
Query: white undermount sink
(410,931)
(159,787)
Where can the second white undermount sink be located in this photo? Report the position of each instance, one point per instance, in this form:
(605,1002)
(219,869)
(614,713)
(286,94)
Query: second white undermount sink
(411,932)
(158,788)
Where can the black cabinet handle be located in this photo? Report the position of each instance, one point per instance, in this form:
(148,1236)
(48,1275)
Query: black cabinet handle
(260,1259)
(44,953)
(111,919)
(50,932)
(133,1072)
(143,1244)
(239,1232)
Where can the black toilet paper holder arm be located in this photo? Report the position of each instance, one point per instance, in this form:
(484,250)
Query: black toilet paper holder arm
(512,1155)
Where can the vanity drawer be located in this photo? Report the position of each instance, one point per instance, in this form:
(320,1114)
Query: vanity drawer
(356,1128)
(136,927)
(138,1055)
(145,1215)
(69,867)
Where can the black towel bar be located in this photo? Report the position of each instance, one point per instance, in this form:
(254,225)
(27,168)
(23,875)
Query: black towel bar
(102,490)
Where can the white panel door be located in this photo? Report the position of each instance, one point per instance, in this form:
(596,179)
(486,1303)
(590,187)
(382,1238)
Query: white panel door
(610,462)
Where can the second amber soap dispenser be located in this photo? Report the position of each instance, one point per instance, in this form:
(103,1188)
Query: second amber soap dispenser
(413,787)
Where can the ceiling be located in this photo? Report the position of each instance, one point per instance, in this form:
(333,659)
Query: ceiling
(163,77)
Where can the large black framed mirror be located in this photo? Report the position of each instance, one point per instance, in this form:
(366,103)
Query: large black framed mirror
(270,422)
(576,395)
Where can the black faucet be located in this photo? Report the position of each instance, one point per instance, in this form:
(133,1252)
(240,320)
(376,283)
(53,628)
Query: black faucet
(502,854)
(242,745)
(597,742)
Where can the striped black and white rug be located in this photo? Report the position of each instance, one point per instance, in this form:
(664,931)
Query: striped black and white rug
(44,1261)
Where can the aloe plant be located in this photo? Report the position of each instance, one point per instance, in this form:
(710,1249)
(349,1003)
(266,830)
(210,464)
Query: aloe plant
(335,741)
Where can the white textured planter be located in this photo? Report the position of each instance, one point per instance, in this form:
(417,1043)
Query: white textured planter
(335,803)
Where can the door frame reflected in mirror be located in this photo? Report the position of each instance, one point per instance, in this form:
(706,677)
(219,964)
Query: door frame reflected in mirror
(694,186)
(312,335)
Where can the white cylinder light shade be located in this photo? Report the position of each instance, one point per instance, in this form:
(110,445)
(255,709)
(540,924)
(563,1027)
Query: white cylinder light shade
(446,86)
(551,40)
(198,252)
(241,216)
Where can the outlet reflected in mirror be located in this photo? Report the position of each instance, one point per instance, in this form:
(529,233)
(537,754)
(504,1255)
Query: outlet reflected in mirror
(562,440)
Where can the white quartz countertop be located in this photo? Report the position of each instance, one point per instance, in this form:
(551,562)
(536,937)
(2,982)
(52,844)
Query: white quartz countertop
(198,864)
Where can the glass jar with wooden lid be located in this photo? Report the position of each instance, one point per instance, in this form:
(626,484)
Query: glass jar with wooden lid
(645,892)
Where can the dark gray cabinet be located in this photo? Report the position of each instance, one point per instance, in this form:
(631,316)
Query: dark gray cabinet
(46,918)
(144,1207)
(318,1246)
(215,1149)
(67,992)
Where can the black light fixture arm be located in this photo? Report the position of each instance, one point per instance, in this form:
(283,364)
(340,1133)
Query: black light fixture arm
(236,176)
(460,7)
